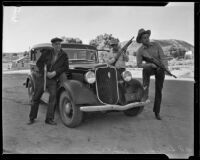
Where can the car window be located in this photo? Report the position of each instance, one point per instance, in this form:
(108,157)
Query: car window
(87,55)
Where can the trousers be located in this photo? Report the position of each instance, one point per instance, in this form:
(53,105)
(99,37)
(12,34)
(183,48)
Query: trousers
(159,80)
(51,86)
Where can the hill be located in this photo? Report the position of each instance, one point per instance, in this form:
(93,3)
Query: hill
(165,44)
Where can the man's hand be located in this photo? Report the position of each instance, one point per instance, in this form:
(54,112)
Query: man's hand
(51,74)
(153,65)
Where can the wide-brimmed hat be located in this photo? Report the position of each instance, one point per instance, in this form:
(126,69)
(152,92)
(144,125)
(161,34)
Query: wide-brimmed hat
(56,40)
(140,33)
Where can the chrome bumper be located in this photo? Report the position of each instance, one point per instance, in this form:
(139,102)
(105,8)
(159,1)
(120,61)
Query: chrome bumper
(113,107)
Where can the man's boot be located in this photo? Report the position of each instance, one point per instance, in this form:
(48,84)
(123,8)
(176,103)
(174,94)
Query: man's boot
(157,115)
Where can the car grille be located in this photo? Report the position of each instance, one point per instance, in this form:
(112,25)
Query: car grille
(107,86)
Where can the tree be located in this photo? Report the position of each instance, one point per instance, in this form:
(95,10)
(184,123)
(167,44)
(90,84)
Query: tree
(103,41)
(71,40)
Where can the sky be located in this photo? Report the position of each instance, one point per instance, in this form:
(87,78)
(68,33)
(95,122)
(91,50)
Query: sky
(28,25)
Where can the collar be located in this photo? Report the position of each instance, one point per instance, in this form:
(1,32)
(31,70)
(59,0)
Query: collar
(145,47)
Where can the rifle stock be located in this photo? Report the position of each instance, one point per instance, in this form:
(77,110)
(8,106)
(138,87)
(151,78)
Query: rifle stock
(158,64)
(123,49)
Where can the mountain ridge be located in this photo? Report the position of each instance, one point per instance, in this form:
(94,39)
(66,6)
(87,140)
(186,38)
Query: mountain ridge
(166,44)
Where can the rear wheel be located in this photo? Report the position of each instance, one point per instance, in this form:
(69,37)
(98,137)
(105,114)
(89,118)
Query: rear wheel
(70,113)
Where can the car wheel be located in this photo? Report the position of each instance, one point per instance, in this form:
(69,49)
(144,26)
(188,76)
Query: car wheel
(70,113)
(138,91)
(30,90)
(133,111)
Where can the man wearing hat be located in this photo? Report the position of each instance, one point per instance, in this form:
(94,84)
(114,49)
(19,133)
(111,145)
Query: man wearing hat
(112,55)
(151,49)
(57,64)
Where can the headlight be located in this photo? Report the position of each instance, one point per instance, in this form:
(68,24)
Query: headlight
(90,77)
(127,76)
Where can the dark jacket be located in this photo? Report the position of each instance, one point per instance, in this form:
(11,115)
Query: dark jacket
(60,65)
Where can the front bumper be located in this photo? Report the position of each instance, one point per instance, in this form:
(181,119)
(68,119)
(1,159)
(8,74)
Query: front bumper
(108,107)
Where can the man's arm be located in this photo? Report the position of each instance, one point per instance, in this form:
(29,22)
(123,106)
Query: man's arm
(125,57)
(111,58)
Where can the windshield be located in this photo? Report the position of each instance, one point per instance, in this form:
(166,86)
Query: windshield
(81,55)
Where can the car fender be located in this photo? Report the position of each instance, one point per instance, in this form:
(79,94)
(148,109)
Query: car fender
(79,93)
(30,77)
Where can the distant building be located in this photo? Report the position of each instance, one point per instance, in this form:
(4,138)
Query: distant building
(21,63)
(188,55)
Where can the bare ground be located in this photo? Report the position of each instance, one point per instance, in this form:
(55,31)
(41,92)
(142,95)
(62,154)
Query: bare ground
(101,133)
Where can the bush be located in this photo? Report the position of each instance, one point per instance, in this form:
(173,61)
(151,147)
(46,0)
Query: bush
(177,52)
(103,41)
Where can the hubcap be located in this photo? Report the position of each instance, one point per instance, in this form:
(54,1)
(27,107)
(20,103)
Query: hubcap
(67,108)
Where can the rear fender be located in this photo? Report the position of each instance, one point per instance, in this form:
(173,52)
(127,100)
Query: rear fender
(79,93)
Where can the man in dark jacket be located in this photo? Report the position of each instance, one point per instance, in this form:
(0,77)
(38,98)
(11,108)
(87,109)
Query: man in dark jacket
(56,61)
(154,50)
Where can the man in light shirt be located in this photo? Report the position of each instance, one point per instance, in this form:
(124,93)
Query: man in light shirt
(151,49)
(112,56)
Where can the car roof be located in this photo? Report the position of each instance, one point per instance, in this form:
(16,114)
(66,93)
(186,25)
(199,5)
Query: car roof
(65,45)
(42,45)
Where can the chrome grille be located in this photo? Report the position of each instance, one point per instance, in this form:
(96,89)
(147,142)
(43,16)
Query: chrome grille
(106,85)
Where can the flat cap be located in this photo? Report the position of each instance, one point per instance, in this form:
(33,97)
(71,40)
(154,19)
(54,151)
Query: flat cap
(56,40)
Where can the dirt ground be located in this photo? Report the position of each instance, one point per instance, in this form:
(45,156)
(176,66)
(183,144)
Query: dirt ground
(101,133)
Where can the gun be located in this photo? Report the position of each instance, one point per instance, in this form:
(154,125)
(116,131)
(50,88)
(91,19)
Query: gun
(158,64)
(122,51)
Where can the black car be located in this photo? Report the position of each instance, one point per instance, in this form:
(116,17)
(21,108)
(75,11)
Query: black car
(91,86)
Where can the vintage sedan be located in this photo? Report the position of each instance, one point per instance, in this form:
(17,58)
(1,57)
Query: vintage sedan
(91,86)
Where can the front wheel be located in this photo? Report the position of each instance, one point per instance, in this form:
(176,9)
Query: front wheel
(137,91)
(70,113)
(133,111)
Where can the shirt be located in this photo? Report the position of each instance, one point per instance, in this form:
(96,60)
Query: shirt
(120,62)
(154,50)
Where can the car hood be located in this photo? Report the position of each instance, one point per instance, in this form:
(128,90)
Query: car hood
(87,66)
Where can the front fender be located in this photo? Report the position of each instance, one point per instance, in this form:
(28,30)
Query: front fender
(79,93)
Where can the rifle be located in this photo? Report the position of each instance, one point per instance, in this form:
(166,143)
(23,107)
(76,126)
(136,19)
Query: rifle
(122,51)
(158,64)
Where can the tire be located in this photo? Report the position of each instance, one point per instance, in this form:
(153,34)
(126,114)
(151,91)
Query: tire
(138,91)
(134,111)
(70,114)
(30,90)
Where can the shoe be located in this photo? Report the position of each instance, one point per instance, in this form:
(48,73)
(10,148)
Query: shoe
(31,121)
(51,122)
(157,116)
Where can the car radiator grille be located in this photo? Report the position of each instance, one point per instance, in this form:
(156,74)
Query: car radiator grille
(107,86)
